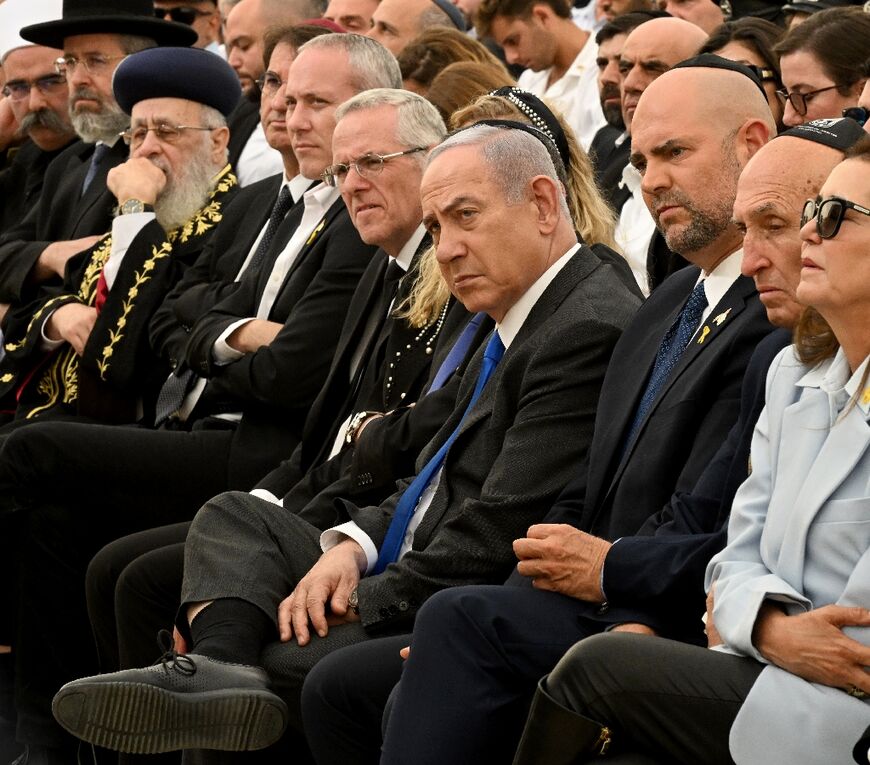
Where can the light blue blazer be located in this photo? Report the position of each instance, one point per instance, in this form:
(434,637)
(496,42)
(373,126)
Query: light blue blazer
(799,533)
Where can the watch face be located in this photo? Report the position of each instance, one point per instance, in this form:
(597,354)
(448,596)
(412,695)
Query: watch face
(132,206)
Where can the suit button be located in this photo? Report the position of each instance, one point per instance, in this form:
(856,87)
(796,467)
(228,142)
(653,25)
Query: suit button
(173,363)
(403,605)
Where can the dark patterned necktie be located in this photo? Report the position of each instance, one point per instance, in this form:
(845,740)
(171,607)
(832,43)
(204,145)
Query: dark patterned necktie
(673,344)
(279,212)
(408,502)
(100,152)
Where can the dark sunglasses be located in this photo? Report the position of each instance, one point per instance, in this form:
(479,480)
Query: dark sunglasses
(857,113)
(828,214)
(183,14)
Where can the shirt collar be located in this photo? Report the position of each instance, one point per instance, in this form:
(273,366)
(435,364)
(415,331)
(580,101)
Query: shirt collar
(406,254)
(834,378)
(321,195)
(517,314)
(720,279)
(297,185)
(585,58)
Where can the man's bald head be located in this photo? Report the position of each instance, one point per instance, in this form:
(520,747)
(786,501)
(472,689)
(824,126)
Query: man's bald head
(649,51)
(690,151)
(770,195)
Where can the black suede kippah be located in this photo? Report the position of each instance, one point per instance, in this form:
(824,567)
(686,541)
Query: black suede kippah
(453,12)
(542,118)
(712,61)
(840,133)
(189,73)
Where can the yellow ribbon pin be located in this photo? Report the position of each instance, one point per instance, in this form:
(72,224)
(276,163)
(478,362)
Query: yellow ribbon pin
(865,399)
(316,232)
(704,333)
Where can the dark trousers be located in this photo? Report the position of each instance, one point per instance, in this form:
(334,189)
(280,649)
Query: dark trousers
(666,700)
(476,656)
(344,697)
(79,487)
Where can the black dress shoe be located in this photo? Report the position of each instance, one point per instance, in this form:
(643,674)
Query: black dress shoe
(183,702)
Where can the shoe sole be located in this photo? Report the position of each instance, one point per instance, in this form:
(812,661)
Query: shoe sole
(143,719)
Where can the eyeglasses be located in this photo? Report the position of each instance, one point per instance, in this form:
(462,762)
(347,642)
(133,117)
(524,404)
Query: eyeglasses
(135,137)
(798,101)
(18,90)
(367,166)
(269,83)
(828,214)
(858,113)
(66,65)
(183,14)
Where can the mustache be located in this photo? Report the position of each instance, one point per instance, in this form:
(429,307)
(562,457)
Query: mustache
(86,93)
(44,118)
(670,199)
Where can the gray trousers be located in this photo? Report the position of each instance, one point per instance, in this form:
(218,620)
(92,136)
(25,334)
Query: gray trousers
(240,546)
(665,701)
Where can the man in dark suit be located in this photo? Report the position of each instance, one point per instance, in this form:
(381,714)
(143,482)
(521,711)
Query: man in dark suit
(654,582)
(249,415)
(36,97)
(655,431)
(75,208)
(559,310)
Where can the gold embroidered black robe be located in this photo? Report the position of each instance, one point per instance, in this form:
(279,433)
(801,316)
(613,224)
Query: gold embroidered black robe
(118,373)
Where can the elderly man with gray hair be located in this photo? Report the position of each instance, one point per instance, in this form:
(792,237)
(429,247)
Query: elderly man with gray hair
(260,580)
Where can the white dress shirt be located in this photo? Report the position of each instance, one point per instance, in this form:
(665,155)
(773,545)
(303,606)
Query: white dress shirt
(719,281)
(575,94)
(258,160)
(635,228)
(508,329)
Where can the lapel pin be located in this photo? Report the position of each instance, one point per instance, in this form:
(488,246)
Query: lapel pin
(316,232)
(865,399)
(704,333)
(721,317)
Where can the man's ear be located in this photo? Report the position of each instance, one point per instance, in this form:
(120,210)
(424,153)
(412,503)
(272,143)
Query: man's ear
(220,138)
(752,135)
(546,196)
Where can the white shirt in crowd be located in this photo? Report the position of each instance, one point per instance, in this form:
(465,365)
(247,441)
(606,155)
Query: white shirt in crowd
(575,94)
(258,160)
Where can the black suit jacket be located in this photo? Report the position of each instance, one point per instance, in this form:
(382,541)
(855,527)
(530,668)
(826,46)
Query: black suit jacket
(242,121)
(616,492)
(212,277)
(534,417)
(62,213)
(609,161)
(657,577)
(275,386)
(21,182)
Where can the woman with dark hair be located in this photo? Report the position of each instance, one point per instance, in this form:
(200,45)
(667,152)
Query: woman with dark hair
(436,48)
(821,63)
(788,680)
(751,41)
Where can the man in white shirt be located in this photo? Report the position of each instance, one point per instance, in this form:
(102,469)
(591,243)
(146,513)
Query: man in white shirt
(559,310)
(559,57)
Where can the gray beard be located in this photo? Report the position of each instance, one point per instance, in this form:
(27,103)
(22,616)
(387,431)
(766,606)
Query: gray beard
(187,193)
(103,126)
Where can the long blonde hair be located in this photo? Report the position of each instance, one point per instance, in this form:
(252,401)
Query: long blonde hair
(593,218)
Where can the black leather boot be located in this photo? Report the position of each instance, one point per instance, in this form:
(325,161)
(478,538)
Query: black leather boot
(555,735)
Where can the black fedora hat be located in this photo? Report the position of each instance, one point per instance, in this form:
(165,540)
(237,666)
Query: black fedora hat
(85,17)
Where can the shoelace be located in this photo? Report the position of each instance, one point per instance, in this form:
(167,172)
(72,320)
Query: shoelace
(180,662)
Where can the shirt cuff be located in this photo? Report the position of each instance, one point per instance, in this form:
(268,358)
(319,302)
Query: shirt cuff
(47,343)
(221,351)
(266,495)
(605,599)
(124,230)
(331,537)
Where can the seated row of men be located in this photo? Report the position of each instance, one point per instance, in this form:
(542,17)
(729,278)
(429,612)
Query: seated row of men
(294,314)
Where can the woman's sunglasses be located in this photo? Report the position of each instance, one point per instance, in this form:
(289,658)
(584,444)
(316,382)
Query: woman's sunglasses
(183,14)
(828,214)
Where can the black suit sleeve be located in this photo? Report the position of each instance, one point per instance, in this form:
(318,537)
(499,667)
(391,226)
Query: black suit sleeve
(271,375)
(660,572)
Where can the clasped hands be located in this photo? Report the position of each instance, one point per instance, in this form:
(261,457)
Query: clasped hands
(329,581)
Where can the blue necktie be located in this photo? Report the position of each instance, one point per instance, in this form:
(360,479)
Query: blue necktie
(100,151)
(408,502)
(457,353)
(673,344)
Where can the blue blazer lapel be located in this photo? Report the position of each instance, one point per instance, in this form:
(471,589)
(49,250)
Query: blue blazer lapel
(834,459)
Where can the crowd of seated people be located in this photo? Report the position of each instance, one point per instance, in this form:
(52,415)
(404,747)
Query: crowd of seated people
(434,381)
